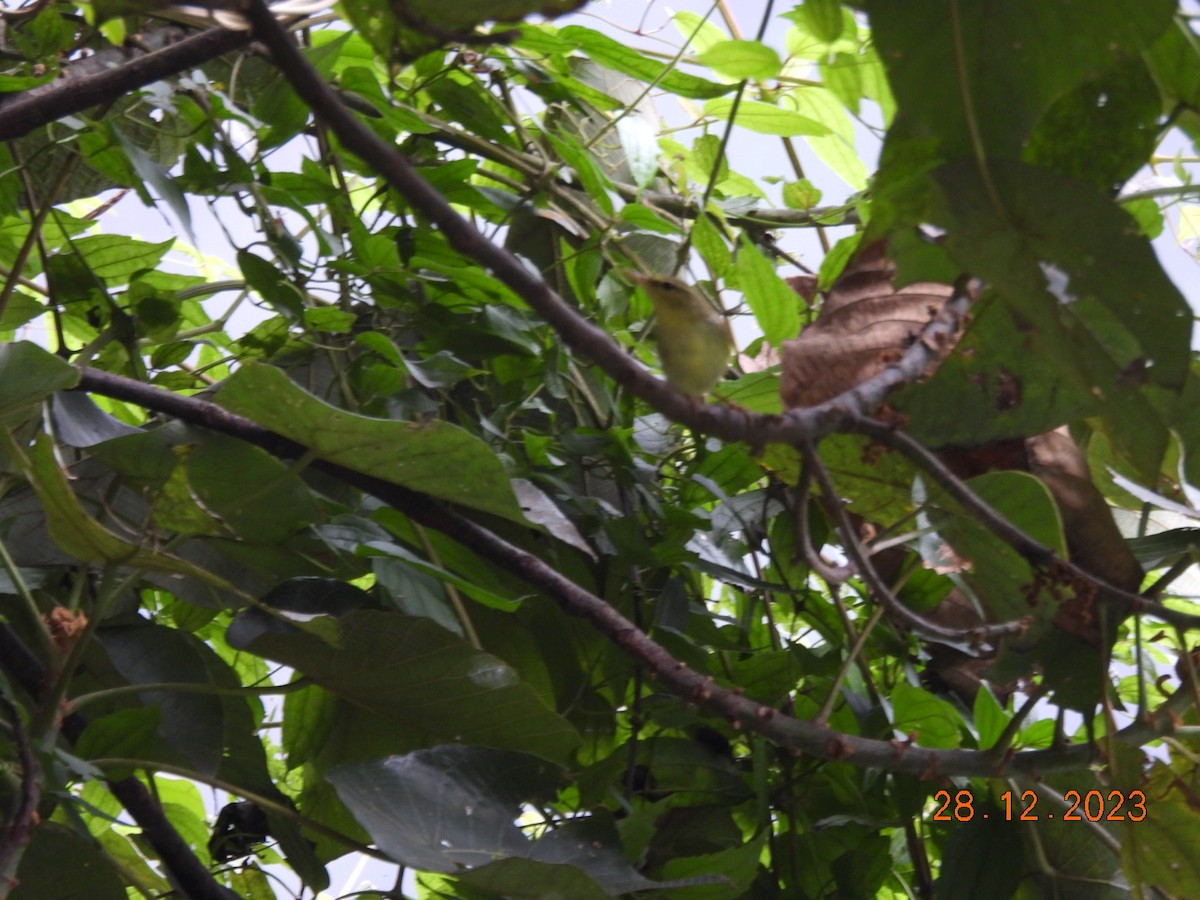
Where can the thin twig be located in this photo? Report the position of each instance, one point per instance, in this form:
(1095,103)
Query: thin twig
(867,571)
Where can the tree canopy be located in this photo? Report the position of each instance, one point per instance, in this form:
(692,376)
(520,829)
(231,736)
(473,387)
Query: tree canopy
(382,533)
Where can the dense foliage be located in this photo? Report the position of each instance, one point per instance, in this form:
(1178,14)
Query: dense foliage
(383,529)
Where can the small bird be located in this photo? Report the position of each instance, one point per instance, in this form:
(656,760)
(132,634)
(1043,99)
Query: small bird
(694,340)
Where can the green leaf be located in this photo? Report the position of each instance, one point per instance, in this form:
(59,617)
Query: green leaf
(754,115)
(272,285)
(1071,264)
(992,388)
(159,178)
(308,721)
(1174,63)
(743,59)
(712,246)
(1104,130)
(452,808)
(466,103)
(998,575)
(254,494)
(801,194)
(931,721)
(435,457)
(448,807)
(602,49)
(44,875)
(78,535)
(591,176)
(776,306)
(943,58)
(29,374)
(982,858)
(127,733)
(1158,851)
(824,19)
(114,257)
(990,717)
(193,723)
(737,866)
(414,672)
(700,33)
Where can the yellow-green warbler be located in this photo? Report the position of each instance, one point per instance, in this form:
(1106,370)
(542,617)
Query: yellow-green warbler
(694,340)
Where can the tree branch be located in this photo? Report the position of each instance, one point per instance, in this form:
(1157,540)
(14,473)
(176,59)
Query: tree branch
(726,421)
(1036,553)
(187,872)
(15,833)
(102,76)
(802,737)
(887,599)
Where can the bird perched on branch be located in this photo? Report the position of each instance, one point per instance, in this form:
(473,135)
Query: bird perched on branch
(694,340)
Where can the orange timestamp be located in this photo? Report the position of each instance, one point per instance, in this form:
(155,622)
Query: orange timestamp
(1091,806)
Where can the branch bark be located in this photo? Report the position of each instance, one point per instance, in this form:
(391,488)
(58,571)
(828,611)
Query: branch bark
(103,76)
(794,734)
(185,870)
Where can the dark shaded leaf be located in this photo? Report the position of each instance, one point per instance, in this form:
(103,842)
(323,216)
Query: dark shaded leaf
(413,671)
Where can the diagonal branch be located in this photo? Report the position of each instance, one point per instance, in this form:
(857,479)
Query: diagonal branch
(800,736)
(728,422)
(887,599)
(1036,553)
(15,833)
(102,77)
(187,872)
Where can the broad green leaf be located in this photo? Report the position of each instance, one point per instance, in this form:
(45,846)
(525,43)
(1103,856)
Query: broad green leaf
(452,808)
(754,115)
(114,257)
(192,723)
(308,720)
(1072,265)
(43,873)
(448,807)
(1104,130)
(591,176)
(989,717)
(255,495)
(159,178)
(272,285)
(82,537)
(467,103)
(992,388)
(836,148)
(742,59)
(602,49)
(932,721)
(737,867)
(982,856)
(944,60)
(29,374)
(1174,63)
(843,77)
(435,458)
(801,194)
(775,305)
(824,18)
(999,576)
(701,33)
(127,733)
(412,671)
(712,245)
(1157,850)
